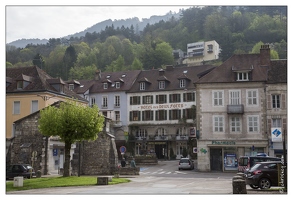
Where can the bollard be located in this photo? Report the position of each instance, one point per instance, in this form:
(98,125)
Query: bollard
(239,186)
(102,180)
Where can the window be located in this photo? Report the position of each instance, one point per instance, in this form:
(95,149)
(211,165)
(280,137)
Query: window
(276,100)
(161,115)
(135,100)
(142,86)
(117,116)
(182,83)
(252,123)
(117,84)
(189,113)
(16,107)
(134,116)
(276,123)
(181,131)
(234,97)
(188,97)
(218,98)
(161,84)
(161,99)
(242,76)
(235,124)
(105,85)
(147,115)
(161,132)
(117,101)
(147,99)
(141,133)
(218,123)
(71,86)
(174,98)
(35,106)
(19,84)
(105,102)
(174,114)
(93,101)
(252,97)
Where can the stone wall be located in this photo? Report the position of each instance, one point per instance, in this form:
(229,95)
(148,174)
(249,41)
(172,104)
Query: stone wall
(27,140)
(97,157)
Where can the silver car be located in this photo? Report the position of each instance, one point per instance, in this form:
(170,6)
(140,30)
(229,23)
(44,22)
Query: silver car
(185,163)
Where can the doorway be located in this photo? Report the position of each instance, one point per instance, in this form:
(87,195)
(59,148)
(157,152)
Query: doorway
(216,160)
(161,151)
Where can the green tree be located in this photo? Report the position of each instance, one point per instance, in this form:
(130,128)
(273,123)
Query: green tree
(82,73)
(136,64)
(72,122)
(163,54)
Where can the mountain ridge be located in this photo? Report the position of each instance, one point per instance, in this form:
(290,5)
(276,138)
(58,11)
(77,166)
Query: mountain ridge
(137,24)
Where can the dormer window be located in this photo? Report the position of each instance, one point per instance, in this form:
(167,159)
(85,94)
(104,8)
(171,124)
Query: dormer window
(19,84)
(161,84)
(117,84)
(142,86)
(105,85)
(71,87)
(182,83)
(242,76)
(57,83)
(22,81)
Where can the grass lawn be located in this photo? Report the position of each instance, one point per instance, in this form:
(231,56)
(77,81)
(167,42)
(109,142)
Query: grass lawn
(36,183)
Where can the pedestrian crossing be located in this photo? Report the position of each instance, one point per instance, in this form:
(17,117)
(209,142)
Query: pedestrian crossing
(144,171)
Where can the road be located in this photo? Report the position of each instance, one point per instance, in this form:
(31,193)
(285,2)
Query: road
(161,179)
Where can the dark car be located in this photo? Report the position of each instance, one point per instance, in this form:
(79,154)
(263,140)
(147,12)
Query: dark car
(24,170)
(262,175)
(185,163)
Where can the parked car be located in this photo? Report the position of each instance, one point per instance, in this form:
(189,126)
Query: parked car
(185,163)
(262,175)
(24,170)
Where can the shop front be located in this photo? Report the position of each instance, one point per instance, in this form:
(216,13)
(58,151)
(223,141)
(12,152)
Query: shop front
(222,155)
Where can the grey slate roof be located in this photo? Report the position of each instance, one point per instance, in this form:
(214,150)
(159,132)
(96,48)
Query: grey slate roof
(126,79)
(225,73)
(171,75)
(278,71)
(39,81)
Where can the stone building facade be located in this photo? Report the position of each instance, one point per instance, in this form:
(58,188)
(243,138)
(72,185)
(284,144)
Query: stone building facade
(97,157)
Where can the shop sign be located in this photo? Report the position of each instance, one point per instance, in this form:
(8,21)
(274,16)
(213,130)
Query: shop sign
(276,134)
(156,142)
(223,142)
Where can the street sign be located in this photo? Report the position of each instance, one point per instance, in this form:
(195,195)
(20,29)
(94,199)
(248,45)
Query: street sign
(122,149)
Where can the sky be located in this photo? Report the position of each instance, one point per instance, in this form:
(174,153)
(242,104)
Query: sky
(55,20)
(44,22)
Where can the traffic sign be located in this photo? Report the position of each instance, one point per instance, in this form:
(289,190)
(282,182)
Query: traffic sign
(122,149)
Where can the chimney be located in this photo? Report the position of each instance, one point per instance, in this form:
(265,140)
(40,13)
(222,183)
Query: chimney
(98,75)
(169,68)
(161,72)
(265,56)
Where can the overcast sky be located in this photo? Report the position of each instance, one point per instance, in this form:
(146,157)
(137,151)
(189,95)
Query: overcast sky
(46,22)
(54,21)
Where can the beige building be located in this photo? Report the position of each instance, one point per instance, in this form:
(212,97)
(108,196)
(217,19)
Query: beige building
(232,111)
(200,52)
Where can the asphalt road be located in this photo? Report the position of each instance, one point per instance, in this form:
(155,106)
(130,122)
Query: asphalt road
(161,179)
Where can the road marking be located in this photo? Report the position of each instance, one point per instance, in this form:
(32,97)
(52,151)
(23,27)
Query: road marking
(180,172)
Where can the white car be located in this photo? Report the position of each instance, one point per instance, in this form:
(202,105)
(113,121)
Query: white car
(185,163)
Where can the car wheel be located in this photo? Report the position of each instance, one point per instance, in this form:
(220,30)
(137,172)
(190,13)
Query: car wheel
(253,186)
(264,183)
(179,169)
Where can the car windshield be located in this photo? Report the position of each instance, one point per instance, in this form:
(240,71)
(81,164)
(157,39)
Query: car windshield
(255,166)
(184,161)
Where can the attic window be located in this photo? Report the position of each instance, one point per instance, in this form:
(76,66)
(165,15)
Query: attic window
(185,71)
(22,84)
(242,76)
(161,84)
(117,84)
(182,83)
(105,85)
(108,76)
(71,87)
(123,75)
(142,86)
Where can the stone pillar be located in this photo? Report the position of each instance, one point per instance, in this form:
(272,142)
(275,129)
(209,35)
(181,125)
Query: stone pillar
(239,185)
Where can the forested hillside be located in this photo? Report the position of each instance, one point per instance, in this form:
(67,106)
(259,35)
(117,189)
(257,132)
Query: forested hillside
(236,29)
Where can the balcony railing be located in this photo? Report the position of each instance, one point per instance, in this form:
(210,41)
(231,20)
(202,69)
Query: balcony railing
(235,109)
